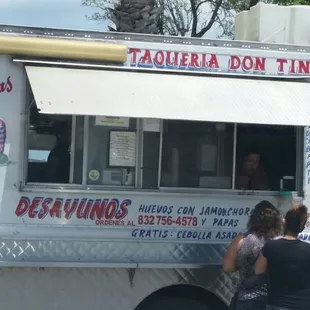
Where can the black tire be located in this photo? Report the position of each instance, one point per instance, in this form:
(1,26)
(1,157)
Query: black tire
(175,303)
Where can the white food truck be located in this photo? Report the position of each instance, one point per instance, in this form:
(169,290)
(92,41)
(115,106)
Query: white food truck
(120,158)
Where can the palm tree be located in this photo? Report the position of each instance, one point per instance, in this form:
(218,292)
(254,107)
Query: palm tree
(137,16)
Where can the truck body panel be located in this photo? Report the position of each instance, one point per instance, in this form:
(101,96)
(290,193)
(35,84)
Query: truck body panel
(119,246)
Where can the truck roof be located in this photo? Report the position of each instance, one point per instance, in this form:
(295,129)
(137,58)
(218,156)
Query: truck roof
(41,32)
(127,51)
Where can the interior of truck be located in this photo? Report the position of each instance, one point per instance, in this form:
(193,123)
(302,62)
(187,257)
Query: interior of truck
(42,138)
(193,155)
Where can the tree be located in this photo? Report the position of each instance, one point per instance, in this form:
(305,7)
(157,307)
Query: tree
(173,17)
(138,16)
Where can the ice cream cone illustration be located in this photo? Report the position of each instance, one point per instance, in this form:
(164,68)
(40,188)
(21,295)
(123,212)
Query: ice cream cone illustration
(3,157)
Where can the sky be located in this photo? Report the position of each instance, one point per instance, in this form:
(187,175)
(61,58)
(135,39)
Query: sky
(48,13)
(67,14)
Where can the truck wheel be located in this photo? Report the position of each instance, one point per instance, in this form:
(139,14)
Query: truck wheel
(175,303)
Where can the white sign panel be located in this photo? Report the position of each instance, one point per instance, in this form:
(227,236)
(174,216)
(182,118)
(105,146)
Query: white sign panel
(142,217)
(219,59)
(112,121)
(307,170)
(151,125)
(11,103)
(122,149)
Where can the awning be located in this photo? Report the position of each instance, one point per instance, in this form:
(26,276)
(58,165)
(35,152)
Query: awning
(169,96)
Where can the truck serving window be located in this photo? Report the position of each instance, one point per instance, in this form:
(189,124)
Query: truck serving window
(111,151)
(266,157)
(105,152)
(49,140)
(197,154)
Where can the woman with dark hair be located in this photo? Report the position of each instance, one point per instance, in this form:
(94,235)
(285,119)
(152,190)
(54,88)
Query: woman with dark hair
(287,262)
(251,175)
(264,224)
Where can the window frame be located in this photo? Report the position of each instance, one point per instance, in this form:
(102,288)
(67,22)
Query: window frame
(72,153)
(85,160)
(198,189)
(138,182)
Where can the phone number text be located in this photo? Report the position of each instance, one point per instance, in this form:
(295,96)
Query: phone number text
(167,220)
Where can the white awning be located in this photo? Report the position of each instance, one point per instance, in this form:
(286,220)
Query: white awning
(169,96)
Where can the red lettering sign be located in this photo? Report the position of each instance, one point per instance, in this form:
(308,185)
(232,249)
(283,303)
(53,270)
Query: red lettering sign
(99,209)
(172,60)
(246,64)
(6,86)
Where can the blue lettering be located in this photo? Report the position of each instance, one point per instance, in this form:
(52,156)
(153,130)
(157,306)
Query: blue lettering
(201,235)
(186,210)
(247,211)
(141,208)
(225,222)
(149,233)
(155,209)
(225,211)
(135,232)
(304,237)
(225,235)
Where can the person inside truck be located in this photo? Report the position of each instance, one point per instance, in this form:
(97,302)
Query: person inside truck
(264,223)
(58,163)
(251,175)
(287,262)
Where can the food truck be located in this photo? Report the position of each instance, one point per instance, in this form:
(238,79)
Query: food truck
(121,163)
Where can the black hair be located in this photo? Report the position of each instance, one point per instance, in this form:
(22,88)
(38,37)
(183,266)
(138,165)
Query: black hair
(61,126)
(265,221)
(294,219)
(252,150)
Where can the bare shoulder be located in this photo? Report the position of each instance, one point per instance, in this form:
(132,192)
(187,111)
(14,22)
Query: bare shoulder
(239,239)
(235,244)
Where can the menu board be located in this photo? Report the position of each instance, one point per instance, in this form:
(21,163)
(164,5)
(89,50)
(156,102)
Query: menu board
(122,149)
(112,121)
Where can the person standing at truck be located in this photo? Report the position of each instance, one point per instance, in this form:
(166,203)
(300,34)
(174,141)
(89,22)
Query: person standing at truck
(264,223)
(287,262)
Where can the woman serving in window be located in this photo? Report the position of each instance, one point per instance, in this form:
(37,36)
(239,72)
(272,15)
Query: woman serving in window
(252,176)
(264,223)
(287,262)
